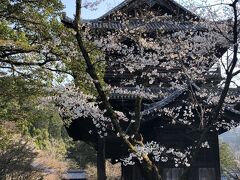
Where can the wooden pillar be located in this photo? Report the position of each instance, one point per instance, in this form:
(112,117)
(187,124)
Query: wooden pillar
(218,171)
(101,167)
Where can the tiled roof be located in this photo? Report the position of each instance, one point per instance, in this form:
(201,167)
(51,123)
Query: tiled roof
(229,111)
(129,93)
(164,25)
(165,3)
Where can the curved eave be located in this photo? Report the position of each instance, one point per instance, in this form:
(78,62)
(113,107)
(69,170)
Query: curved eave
(83,129)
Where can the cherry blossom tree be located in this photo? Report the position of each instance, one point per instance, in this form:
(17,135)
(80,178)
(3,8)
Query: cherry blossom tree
(179,61)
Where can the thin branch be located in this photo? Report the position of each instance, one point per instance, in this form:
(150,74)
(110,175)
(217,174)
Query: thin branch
(212,5)
(58,71)
(16,51)
(17,63)
(22,19)
(216,111)
(134,126)
(224,67)
(235,84)
(236,73)
(230,72)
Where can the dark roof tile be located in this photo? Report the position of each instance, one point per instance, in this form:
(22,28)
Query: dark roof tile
(165,25)
(162,103)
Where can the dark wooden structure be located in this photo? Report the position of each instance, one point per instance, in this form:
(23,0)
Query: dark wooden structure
(74,175)
(157,127)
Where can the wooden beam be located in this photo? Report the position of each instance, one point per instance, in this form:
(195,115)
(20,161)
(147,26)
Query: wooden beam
(101,166)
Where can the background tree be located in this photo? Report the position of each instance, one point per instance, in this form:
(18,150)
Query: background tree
(16,157)
(227,159)
(36,54)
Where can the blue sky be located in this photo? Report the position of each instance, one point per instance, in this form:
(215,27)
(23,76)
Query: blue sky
(102,8)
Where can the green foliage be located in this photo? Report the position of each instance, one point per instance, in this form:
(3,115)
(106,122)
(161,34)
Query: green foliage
(43,125)
(16,156)
(6,138)
(30,34)
(82,154)
(36,52)
(17,97)
(21,103)
(227,158)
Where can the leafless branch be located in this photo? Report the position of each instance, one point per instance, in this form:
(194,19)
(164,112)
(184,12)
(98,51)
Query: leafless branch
(212,5)
(17,63)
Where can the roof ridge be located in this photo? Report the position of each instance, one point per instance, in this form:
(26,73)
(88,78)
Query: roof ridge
(126,2)
(119,6)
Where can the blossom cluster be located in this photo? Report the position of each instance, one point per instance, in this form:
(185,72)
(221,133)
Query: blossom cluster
(75,105)
(158,153)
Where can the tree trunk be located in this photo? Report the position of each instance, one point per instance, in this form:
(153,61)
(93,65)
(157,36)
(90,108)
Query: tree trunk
(150,171)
